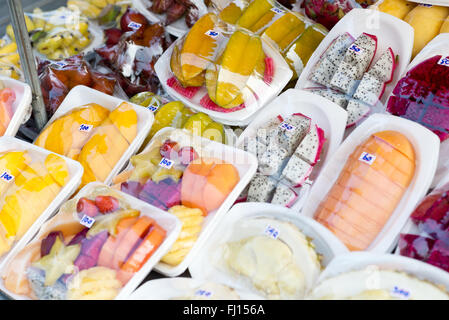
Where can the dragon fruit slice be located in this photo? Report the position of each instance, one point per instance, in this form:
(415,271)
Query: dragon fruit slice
(327,12)
(441,98)
(369,90)
(410,88)
(439,255)
(414,246)
(356,61)
(268,131)
(357,110)
(292,131)
(310,147)
(284,196)
(397,106)
(335,97)
(271,160)
(423,71)
(384,67)
(323,72)
(261,189)
(296,172)
(337,49)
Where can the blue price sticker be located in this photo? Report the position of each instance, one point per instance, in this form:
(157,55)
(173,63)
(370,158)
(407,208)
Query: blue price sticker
(61,64)
(287,126)
(367,158)
(85,127)
(166,163)
(277,10)
(425,5)
(153,108)
(355,48)
(134,25)
(203,293)
(212,33)
(400,293)
(271,232)
(444,61)
(87,221)
(6,176)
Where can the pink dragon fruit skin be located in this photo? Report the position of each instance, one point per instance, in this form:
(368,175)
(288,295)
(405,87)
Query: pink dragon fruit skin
(327,12)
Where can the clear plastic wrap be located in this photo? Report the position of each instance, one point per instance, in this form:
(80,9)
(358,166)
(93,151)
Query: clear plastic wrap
(97,136)
(96,9)
(193,178)
(100,245)
(33,182)
(367,276)
(9,59)
(207,70)
(329,12)
(376,177)
(358,63)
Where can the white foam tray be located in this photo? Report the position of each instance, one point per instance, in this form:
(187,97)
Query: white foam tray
(326,114)
(390,31)
(82,95)
(325,242)
(426,146)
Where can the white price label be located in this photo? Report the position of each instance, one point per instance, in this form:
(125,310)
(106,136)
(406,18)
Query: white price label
(444,61)
(400,293)
(134,25)
(166,163)
(6,176)
(367,158)
(87,221)
(212,33)
(85,127)
(271,232)
(203,293)
(287,126)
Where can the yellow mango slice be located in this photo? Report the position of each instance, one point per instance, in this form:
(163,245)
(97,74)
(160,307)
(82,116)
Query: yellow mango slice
(57,167)
(12,163)
(175,65)
(285,29)
(253,13)
(125,119)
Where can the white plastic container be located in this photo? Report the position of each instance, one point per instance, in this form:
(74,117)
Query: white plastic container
(176,28)
(82,95)
(282,75)
(246,165)
(21,106)
(390,31)
(373,262)
(170,223)
(426,146)
(326,114)
(75,172)
(172,288)
(326,244)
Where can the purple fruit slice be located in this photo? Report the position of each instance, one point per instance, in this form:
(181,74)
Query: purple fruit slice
(48,242)
(80,236)
(439,255)
(132,188)
(414,246)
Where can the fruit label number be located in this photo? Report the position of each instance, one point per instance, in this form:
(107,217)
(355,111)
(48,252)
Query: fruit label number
(355,48)
(87,221)
(166,163)
(134,25)
(153,108)
(271,232)
(6,176)
(277,10)
(212,33)
(85,127)
(400,293)
(287,126)
(425,5)
(203,293)
(367,158)
(444,61)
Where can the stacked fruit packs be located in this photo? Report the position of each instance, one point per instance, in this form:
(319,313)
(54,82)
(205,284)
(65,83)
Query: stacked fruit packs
(426,237)
(177,174)
(295,36)
(287,150)
(93,135)
(30,180)
(91,249)
(347,75)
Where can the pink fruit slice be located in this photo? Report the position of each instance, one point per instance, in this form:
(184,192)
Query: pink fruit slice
(188,92)
(207,103)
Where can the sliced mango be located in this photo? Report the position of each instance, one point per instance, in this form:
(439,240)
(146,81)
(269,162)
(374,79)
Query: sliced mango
(125,119)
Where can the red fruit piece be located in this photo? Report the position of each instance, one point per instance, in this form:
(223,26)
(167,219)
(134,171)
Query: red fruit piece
(169,149)
(414,89)
(86,207)
(437,120)
(439,255)
(441,97)
(421,213)
(397,106)
(48,242)
(112,36)
(423,70)
(269,70)
(414,246)
(133,21)
(188,92)
(187,155)
(207,103)
(107,204)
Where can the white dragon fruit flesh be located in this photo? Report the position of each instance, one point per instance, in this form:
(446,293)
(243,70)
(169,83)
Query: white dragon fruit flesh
(268,131)
(310,147)
(356,111)
(271,160)
(337,49)
(323,72)
(369,90)
(261,189)
(297,171)
(284,196)
(292,130)
(346,78)
(335,97)
(384,67)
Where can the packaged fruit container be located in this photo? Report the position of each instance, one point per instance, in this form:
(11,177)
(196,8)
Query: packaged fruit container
(358,63)
(329,12)
(367,276)
(33,183)
(367,191)
(61,33)
(205,69)
(100,245)
(425,236)
(268,250)
(97,9)
(15,100)
(292,138)
(99,131)
(422,95)
(195,179)
(189,289)
(177,16)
